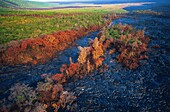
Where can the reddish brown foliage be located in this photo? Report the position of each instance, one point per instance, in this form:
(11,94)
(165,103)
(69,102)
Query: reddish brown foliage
(35,50)
(52,95)
(131,53)
(106,44)
(131,46)
(57,77)
(49,91)
(98,62)
(73,69)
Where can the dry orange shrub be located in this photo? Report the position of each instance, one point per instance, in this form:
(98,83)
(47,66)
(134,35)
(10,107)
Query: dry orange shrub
(97,49)
(84,52)
(89,58)
(58,77)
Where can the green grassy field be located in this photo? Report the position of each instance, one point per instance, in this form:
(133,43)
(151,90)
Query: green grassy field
(20,27)
(21,24)
(18,24)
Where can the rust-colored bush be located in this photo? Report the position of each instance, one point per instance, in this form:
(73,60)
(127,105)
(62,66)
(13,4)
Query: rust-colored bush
(131,44)
(40,49)
(106,44)
(98,62)
(58,77)
(73,69)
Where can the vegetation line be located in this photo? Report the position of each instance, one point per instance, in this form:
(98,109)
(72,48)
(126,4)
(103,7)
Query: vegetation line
(43,48)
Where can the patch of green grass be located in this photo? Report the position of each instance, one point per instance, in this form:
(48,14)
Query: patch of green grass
(21,27)
(114,33)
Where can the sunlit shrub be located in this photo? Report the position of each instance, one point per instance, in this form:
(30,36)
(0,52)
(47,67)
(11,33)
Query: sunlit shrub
(84,52)
(131,44)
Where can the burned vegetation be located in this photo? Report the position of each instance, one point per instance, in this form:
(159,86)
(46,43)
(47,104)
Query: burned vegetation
(49,95)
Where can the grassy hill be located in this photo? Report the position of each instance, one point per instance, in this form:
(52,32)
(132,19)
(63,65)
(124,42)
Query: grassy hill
(24,4)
